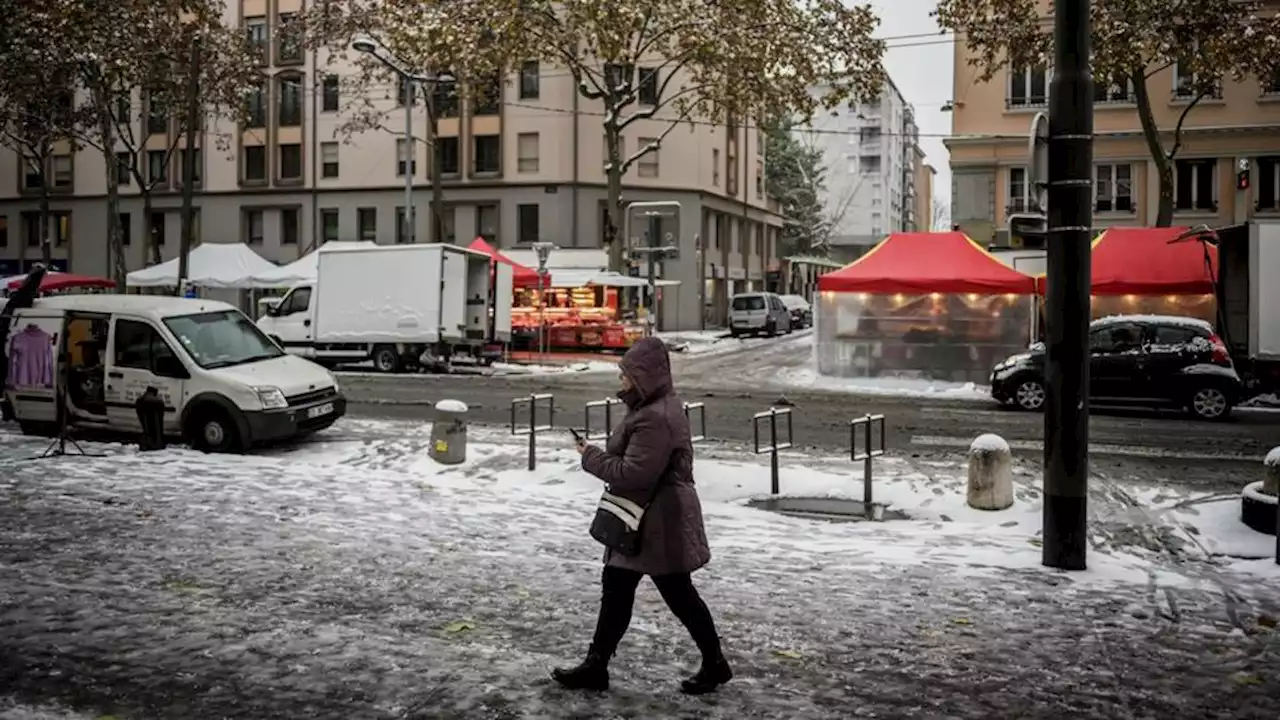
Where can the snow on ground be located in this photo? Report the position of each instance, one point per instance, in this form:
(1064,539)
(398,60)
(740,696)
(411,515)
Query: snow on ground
(352,576)
(706,343)
(499,369)
(13,710)
(809,379)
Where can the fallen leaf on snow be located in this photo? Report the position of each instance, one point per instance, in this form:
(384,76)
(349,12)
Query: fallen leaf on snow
(789,654)
(962,621)
(458,626)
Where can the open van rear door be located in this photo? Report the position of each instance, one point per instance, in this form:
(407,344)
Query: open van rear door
(35,360)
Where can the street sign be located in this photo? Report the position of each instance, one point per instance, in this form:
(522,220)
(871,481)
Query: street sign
(659,219)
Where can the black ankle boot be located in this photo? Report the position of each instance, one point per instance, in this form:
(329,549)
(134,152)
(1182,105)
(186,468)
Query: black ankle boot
(710,676)
(592,674)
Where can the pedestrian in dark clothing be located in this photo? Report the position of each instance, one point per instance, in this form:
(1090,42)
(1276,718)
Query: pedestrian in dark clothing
(652,445)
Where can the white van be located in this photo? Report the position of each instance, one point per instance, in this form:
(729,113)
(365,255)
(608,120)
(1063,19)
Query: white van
(225,384)
(758,313)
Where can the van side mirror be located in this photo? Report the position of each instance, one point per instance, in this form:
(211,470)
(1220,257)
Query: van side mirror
(170,367)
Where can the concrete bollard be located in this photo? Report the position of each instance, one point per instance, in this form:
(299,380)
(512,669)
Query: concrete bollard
(1271,473)
(990,474)
(449,433)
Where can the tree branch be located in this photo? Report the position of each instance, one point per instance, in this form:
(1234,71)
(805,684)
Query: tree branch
(1177,129)
(648,148)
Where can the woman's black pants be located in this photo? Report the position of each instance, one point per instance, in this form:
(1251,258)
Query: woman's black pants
(619,596)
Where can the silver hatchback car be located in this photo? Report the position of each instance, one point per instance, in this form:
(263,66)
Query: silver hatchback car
(758,313)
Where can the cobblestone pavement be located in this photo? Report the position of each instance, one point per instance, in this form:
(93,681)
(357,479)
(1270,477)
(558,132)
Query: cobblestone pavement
(356,579)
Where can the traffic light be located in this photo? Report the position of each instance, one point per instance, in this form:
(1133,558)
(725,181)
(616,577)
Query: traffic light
(1242,180)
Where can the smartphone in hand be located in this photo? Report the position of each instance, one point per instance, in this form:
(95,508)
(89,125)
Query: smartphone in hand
(577,438)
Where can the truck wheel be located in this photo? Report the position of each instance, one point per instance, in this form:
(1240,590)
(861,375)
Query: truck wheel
(1209,402)
(212,430)
(386,359)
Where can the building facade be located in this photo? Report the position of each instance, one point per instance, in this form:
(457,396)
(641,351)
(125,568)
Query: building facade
(525,164)
(870,151)
(1239,126)
(923,187)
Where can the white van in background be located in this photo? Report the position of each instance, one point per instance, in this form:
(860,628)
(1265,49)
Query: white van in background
(226,385)
(758,313)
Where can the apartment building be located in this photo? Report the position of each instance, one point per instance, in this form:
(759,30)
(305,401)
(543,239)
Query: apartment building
(523,164)
(922,206)
(870,151)
(991,121)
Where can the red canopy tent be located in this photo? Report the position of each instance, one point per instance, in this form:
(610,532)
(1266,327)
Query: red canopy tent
(521,276)
(55,281)
(1147,261)
(922,263)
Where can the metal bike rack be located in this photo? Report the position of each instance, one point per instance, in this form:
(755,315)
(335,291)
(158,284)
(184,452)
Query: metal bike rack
(532,429)
(867,452)
(774,446)
(700,409)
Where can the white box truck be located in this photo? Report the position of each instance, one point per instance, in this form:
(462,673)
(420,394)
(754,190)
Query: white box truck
(400,306)
(1249,302)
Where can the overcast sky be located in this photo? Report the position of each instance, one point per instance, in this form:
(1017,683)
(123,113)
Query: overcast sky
(923,73)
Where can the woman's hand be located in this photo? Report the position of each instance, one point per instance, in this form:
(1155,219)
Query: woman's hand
(580,446)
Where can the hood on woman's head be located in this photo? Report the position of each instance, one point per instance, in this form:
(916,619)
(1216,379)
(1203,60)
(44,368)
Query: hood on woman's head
(648,365)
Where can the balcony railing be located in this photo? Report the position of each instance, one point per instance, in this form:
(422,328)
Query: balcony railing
(1026,101)
(1022,205)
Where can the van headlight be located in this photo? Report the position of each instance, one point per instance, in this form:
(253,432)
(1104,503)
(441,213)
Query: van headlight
(336,387)
(272,398)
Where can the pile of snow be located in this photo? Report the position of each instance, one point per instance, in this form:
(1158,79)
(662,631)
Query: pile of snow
(569,367)
(451,406)
(809,379)
(989,444)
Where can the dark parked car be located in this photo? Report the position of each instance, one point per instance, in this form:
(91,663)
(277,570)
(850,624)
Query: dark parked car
(801,311)
(1137,360)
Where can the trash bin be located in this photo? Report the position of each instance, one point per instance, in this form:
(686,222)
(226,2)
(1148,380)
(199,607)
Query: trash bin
(449,433)
(150,408)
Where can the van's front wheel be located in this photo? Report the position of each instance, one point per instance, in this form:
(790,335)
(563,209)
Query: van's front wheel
(213,430)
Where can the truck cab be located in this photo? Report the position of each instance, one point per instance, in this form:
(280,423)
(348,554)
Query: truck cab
(83,361)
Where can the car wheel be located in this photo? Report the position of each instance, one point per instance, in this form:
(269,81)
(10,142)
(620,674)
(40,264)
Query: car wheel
(1029,394)
(771,328)
(214,431)
(1209,402)
(386,360)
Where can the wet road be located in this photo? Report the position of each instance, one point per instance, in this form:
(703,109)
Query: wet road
(355,581)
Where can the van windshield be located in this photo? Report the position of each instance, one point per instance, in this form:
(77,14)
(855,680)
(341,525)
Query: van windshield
(221,339)
(751,302)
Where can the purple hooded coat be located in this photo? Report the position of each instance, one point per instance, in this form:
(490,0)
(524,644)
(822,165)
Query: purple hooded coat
(653,442)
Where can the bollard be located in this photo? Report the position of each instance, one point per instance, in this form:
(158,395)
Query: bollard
(608,405)
(1271,473)
(772,415)
(533,428)
(449,433)
(701,433)
(150,409)
(990,474)
(868,454)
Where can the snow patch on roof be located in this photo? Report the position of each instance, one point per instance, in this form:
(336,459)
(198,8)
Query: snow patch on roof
(1180,320)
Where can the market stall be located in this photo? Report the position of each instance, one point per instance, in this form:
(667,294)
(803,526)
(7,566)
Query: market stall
(1150,271)
(60,282)
(924,305)
(579,310)
(522,276)
(209,265)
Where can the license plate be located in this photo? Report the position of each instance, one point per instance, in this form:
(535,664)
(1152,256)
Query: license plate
(320,410)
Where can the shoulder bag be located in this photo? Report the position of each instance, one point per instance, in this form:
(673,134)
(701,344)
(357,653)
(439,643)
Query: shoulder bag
(619,522)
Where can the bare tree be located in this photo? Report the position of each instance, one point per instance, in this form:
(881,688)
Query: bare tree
(940,216)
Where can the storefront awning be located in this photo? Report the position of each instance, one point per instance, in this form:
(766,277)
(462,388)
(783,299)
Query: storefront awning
(922,263)
(600,278)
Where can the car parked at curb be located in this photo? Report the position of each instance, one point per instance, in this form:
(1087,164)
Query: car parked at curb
(758,313)
(800,309)
(1153,361)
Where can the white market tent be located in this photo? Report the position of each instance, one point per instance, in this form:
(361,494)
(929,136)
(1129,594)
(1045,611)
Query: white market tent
(304,269)
(210,265)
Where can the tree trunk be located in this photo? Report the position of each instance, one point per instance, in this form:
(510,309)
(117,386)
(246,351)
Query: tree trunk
(1155,148)
(613,240)
(46,228)
(115,242)
(437,168)
(153,242)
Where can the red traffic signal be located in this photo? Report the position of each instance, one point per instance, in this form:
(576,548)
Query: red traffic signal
(1242,180)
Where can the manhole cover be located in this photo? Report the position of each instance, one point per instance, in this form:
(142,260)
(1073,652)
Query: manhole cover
(829,509)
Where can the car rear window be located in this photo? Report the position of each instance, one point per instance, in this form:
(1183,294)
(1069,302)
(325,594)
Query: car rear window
(754,302)
(1172,335)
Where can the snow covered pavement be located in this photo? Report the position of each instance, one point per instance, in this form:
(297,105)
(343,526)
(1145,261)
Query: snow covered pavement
(353,577)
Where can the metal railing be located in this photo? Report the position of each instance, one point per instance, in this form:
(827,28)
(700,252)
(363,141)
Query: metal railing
(774,446)
(607,404)
(533,428)
(701,409)
(868,452)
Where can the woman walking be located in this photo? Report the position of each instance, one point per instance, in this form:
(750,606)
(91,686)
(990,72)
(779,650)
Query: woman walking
(650,454)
